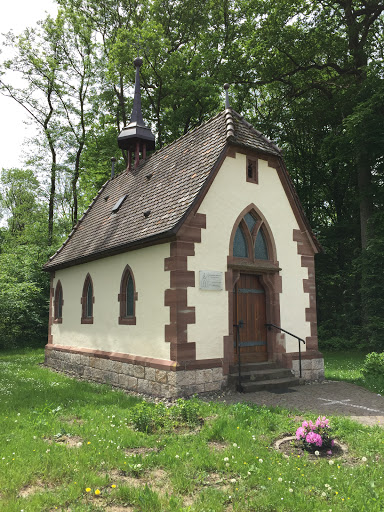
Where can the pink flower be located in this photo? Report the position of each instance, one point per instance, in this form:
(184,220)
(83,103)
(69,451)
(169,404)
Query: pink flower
(332,443)
(329,452)
(322,422)
(304,424)
(300,433)
(314,438)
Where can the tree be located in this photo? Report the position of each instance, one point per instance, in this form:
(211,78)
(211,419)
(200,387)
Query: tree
(24,289)
(37,63)
(329,48)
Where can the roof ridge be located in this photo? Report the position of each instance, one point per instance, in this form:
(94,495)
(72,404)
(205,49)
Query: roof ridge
(229,124)
(257,132)
(186,134)
(74,229)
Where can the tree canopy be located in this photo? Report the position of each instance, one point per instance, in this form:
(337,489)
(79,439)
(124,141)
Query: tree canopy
(308,74)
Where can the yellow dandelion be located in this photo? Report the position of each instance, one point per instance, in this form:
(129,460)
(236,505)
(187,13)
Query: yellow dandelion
(89,442)
(97,492)
(88,489)
(113,486)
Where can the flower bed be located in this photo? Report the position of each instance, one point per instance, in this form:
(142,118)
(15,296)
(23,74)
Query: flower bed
(316,436)
(315,439)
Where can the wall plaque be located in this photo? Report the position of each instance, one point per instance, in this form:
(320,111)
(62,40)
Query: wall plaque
(211,280)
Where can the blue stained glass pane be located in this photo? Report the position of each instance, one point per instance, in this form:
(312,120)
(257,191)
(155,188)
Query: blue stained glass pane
(261,251)
(240,244)
(130,297)
(250,221)
(89,300)
(60,304)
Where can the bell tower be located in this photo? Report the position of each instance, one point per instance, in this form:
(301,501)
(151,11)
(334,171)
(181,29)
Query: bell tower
(136,138)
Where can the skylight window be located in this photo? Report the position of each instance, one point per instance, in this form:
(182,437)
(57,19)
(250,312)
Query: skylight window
(118,204)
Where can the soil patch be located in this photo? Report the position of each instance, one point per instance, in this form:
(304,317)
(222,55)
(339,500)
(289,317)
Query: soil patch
(141,450)
(216,480)
(118,508)
(217,446)
(28,490)
(157,480)
(72,421)
(69,441)
(291,447)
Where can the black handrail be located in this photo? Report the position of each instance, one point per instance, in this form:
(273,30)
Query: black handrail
(238,326)
(294,336)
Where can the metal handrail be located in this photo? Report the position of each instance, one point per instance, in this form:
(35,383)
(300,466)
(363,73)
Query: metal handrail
(294,336)
(238,326)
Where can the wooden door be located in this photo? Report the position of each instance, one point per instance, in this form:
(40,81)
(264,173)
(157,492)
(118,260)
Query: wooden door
(249,311)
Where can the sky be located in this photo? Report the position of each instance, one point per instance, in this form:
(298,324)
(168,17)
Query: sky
(17,15)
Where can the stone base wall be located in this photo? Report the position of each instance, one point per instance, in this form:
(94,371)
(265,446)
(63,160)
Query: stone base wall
(312,364)
(311,369)
(136,377)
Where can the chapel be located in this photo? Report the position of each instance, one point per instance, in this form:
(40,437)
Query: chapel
(191,271)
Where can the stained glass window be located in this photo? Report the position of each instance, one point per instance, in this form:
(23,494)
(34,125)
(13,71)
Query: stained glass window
(89,309)
(261,251)
(240,244)
(251,221)
(60,303)
(130,297)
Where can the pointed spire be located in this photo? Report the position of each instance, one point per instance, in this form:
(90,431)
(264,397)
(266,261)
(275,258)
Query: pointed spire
(226,87)
(137,116)
(137,138)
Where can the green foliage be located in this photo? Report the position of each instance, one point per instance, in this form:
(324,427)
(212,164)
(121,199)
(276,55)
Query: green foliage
(149,418)
(343,365)
(188,410)
(308,74)
(372,286)
(373,372)
(175,471)
(373,365)
(24,288)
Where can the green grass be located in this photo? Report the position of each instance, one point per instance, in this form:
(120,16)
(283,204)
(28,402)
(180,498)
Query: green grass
(222,463)
(347,367)
(342,366)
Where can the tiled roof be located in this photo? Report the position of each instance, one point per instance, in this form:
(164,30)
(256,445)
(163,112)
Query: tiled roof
(159,192)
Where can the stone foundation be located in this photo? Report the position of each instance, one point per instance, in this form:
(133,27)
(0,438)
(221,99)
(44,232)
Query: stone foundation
(312,365)
(136,377)
(311,369)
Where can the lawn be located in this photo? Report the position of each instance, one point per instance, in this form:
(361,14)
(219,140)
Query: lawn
(74,446)
(339,367)
(342,366)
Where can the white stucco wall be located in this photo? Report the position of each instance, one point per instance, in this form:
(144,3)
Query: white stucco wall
(228,195)
(146,338)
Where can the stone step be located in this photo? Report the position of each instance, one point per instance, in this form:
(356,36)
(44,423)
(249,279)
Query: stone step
(259,375)
(249,386)
(252,367)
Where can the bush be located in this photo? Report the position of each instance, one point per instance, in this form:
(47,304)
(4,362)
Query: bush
(148,417)
(373,372)
(373,365)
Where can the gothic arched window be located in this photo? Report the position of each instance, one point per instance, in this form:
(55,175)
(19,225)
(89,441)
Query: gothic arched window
(251,240)
(127,298)
(87,301)
(58,304)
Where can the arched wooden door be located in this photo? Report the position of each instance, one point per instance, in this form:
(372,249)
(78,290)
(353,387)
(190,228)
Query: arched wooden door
(249,312)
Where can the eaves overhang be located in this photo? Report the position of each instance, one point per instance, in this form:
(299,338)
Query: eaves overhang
(159,238)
